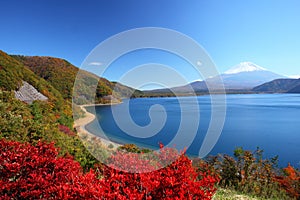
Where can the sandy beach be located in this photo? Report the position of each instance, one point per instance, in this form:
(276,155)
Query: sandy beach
(80,124)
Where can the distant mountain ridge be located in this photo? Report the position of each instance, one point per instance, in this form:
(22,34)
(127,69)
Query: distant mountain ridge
(247,75)
(61,74)
(241,77)
(279,86)
(295,89)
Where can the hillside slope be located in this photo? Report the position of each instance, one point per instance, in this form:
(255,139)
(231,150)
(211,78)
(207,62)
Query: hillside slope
(295,89)
(13,73)
(278,86)
(50,120)
(62,74)
(58,72)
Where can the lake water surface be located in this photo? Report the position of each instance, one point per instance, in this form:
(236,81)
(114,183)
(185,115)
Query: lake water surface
(268,121)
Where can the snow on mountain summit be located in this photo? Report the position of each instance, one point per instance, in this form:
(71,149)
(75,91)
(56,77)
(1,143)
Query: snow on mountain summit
(244,67)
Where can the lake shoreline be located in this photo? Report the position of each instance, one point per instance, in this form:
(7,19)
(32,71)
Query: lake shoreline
(80,125)
(252,120)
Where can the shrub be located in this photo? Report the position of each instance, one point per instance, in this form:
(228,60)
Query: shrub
(290,181)
(28,172)
(178,180)
(249,173)
(36,172)
(66,130)
(133,149)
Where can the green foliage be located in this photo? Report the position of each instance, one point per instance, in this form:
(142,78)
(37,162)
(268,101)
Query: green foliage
(42,120)
(65,120)
(61,74)
(36,111)
(14,118)
(249,174)
(94,146)
(11,74)
(238,152)
(32,123)
(133,148)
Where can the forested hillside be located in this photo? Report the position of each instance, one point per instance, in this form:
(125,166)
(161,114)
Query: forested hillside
(49,121)
(62,74)
(12,75)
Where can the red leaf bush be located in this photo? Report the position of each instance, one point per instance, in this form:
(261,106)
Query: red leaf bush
(66,130)
(178,180)
(36,172)
(290,181)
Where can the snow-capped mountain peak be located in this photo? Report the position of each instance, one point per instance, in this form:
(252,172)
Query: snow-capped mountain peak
(244,67)
(294,76)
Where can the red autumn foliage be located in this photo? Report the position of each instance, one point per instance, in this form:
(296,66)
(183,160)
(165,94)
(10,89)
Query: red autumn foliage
(66,130)
(36,172)
(290,182)
(178,180)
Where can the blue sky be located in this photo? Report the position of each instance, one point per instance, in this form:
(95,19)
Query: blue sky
(265,32)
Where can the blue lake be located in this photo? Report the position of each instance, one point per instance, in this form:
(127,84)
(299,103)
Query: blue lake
(268,121)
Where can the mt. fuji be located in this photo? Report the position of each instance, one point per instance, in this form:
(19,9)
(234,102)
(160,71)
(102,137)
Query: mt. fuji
(247,75)
(243,76)
(244,67)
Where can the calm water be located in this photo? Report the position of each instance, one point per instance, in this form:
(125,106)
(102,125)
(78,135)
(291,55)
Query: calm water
(268,121)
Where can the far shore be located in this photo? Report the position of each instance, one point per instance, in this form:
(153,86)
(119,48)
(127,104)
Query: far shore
(80,124)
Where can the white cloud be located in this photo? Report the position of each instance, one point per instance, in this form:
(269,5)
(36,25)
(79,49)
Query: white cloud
(95,63)
(199,63)
(294,76)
